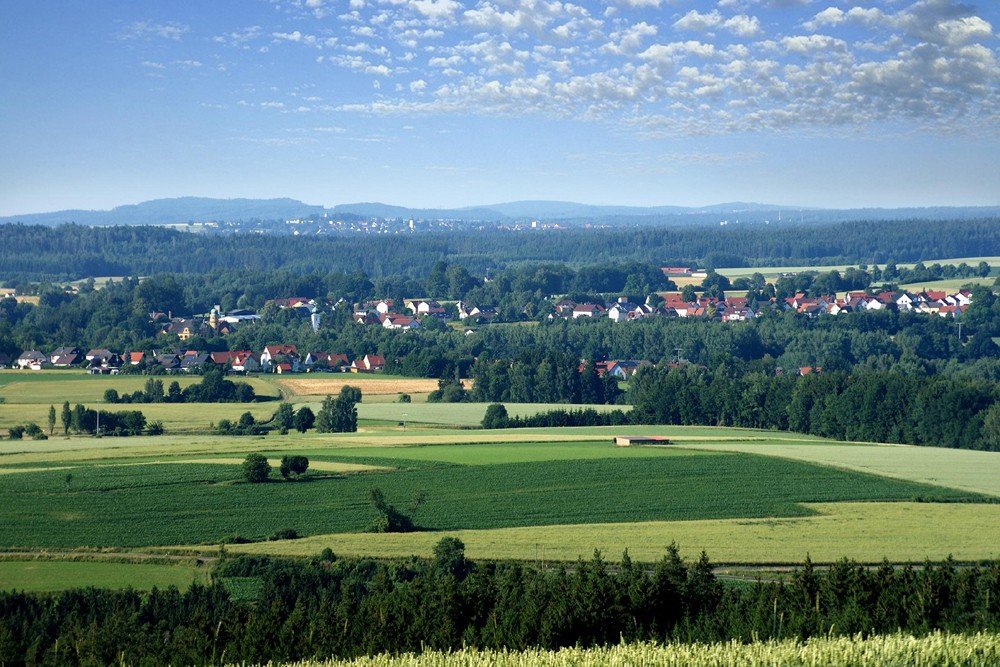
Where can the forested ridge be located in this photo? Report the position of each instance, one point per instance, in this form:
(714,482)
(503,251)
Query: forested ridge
(319,609)
(73,251)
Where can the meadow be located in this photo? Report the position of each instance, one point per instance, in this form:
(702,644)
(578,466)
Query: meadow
(55,575)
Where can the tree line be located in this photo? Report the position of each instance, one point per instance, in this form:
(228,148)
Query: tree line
(866,406)
(335,608)
(73,251)
(213,388)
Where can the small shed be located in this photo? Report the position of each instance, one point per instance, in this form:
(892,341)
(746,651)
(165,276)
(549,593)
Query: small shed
(629,440)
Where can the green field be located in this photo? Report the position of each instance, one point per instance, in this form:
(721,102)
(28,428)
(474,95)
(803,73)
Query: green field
(978,472)
(867,532)
(51,575)
(457,414)
(139,505)
(743,495)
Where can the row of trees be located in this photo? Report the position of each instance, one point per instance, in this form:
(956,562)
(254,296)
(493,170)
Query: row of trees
(335,608)
(213,388)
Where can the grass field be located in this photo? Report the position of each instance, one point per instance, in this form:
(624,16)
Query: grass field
(771,272)
(457,414)
(49,575)
(56,386)
(866,532)
(978,472)
(952,285)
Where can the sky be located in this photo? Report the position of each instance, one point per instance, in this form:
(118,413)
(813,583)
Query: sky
(442,103)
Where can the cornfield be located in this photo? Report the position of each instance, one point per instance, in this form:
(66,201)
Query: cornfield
(896,650)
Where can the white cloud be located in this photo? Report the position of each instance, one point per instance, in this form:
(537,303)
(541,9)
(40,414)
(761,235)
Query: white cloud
(148,29)
(630,39)
(442,10)
(696,21)
(418,85)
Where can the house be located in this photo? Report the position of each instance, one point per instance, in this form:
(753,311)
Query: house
(65,357)
(184,329)
(32,359)
(369,363)
(103,362)
(427,309)
(193,361)
(324,361)
(136,358)
(587,310)
(4,360)
(623,310)
(384,306)
(810,370)
(394,321)
(305,305)
(169,361)
(623,369)
(676,271)
(279,354)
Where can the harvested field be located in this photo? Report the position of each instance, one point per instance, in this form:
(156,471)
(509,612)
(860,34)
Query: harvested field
(368,384)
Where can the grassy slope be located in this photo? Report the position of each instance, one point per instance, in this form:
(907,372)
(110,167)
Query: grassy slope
(43,575)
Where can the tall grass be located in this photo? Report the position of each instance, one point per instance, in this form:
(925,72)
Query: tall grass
(897,650)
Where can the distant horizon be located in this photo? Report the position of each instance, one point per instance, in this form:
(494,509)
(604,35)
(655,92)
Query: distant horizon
(775,205)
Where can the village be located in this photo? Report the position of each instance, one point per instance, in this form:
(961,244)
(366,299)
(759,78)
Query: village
(282,358)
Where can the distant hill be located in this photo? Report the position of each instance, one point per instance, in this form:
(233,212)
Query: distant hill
(179,210)
(200,209)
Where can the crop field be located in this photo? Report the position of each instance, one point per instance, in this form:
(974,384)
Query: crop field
(51,575)
(743,495)
(866,532)
(958,650)
(331,383)
(161,504)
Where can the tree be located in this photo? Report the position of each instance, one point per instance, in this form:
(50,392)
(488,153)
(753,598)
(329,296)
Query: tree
(496,416)
(304,419)
(256,469)
(339,415)
(325,419)
(688,293)
(52,419)
(67,418)
(293,465)
(449,558)
(284,418)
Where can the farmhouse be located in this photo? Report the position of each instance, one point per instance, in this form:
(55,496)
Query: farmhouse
(630,440)
(32,359)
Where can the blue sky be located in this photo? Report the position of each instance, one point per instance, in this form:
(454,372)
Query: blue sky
(837,103)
